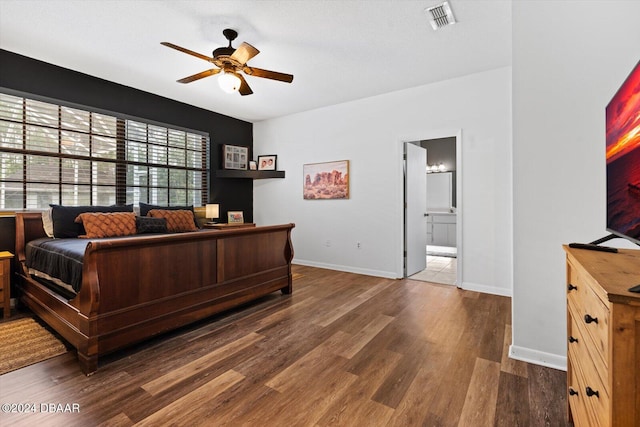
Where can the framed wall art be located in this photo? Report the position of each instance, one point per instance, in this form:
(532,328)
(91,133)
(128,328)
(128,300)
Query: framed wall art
(267,163)
(328,180)
(235,157)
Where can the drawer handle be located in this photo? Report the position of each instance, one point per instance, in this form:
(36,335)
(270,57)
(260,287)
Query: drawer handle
(589,319)
(592,392)
(572,288)
(572,339)
(572,392)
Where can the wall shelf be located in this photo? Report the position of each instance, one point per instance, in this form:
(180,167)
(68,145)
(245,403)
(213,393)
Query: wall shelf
(232,173)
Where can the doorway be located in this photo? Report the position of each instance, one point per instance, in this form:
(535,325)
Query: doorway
(442,168)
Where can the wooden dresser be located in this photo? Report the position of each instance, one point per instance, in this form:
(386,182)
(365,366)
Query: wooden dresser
(603,331)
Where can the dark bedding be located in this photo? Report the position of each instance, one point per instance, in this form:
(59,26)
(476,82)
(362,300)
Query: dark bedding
(58,258)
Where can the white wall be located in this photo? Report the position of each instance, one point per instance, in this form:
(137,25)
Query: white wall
(368,133)
(569,58)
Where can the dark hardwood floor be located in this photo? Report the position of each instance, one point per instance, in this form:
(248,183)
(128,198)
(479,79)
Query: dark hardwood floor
(343,349)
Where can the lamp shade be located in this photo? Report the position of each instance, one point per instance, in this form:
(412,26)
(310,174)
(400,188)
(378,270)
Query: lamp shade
(229,82)
(212,211)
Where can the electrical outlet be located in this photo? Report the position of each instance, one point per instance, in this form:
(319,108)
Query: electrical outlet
(327,243)
(359,245)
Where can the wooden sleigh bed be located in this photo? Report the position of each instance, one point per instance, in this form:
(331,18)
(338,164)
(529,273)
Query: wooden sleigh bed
(136,287)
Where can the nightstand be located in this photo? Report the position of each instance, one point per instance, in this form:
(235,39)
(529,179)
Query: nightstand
(227,226)
(5,283)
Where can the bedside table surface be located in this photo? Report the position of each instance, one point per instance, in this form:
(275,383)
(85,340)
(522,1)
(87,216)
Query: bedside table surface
(223,226)
(5,283)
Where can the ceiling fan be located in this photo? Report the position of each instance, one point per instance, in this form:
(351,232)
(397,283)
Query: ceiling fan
(231,62)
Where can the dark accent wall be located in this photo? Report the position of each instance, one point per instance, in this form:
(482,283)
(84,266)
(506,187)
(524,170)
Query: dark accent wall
(442,150)
(40,79)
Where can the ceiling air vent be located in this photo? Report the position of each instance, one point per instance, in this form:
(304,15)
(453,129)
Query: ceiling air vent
(440,15)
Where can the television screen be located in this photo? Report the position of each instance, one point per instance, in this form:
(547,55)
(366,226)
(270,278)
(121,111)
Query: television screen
(623,159)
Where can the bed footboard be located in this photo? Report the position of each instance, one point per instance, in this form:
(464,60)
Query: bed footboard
(136,287)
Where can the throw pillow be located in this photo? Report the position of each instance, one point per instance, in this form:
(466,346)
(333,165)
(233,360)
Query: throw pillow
(147,224)
(178,221)
(109,224)
(145,208)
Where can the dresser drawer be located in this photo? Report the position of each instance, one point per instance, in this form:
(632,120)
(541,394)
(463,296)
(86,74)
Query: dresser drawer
(593,397)
(581,344)
(581,414)
(590,313)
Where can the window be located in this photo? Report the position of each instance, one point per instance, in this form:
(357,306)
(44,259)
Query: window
(62,155)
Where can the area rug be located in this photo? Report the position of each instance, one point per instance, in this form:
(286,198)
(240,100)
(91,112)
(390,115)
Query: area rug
(25,342)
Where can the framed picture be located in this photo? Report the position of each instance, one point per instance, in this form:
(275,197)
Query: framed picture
(267,163)
(235,217)
(253,165)
(329,180)
(235,157)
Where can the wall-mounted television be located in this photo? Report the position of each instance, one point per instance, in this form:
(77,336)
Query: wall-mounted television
(623,159)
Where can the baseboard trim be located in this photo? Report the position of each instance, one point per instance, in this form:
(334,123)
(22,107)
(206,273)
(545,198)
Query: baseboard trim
(346,269)
(538,357)
(467,286)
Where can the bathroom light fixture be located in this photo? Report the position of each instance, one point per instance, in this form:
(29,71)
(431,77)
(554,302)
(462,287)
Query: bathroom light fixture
(436,168)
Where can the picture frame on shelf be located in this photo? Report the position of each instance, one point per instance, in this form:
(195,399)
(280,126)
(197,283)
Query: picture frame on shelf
(253,165)
(235,217)
(267,163)
(235,157)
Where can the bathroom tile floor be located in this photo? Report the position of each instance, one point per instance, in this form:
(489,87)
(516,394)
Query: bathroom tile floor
(440,269)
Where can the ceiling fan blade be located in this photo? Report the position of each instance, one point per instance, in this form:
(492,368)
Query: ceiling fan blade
(244,53)
(199,76)
(273,75)
(185,50)
(244,86)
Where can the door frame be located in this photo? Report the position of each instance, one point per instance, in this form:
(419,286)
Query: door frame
(421,136)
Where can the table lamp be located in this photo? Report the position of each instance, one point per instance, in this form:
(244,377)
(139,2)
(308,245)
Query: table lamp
(212,212)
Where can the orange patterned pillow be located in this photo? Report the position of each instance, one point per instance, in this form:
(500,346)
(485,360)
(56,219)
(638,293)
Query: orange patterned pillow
(177,220)
(107,224)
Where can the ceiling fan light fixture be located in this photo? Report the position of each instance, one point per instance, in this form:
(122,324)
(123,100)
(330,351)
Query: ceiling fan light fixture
(229,82)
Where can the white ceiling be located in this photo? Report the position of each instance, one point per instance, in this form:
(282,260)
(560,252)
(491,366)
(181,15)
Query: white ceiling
(338,51)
